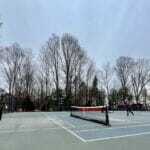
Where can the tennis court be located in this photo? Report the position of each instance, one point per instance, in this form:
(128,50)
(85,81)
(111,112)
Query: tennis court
(59,131)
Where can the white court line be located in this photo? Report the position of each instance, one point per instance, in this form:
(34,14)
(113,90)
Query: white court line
(87,126)
(126,121)
(28,130)
(65,128)
(67,123)
(117,137)
(113,119)
(108,128)
(62,121)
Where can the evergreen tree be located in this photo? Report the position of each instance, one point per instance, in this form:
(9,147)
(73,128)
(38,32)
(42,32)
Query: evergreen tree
(94,92)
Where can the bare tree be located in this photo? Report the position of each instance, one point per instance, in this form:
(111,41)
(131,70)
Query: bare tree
(140,76)
(79,63)
(71,52)
(28,74)
(10,64)
(90,72)
(19,88)
(53,50)
(45,68)
(123,69)
(144,94)
(106,75)
(40,88)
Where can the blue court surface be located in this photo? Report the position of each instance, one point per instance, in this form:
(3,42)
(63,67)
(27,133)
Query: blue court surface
(121,125)
(60,131)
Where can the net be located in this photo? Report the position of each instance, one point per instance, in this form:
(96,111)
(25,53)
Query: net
(98,114)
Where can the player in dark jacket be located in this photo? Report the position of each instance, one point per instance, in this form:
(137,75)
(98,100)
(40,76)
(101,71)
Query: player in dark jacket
(1,111)
(128,107)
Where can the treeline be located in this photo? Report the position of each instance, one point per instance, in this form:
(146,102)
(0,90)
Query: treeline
(62,75)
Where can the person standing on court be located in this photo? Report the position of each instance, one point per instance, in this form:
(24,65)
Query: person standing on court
(128,107)
(1,111)
(1,106)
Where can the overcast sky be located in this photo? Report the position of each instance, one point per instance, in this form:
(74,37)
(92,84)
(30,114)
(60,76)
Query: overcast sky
(106,29)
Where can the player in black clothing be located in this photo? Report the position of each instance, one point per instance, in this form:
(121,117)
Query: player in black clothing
(1,111)
(128,108)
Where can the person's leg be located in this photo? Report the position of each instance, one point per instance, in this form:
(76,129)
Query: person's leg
(0,115)
(131,111)
(127,112)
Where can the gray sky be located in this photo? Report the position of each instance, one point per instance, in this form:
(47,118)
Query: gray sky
(106,29)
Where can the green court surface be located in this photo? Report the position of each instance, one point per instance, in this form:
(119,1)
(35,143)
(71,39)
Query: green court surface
(59,131)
